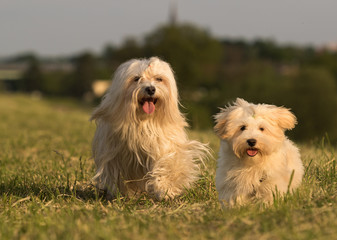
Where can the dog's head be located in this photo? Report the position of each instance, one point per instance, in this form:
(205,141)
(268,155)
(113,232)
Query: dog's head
(253,130)
(140,89)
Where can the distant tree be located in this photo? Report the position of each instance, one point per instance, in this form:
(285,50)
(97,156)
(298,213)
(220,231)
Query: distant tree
(259,83)
(109,56)
(84,74)
(195,57)
(109,52)
(56,83)
(327,60)
(238,51)
(193,53)
(130,48)
(22,58)
(32,77)
(112,56)
(267,49)
(312,96)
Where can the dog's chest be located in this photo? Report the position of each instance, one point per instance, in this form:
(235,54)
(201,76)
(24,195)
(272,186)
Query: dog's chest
(260,184)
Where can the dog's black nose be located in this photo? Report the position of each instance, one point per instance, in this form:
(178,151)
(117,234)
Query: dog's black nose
(251,142)
(150,90)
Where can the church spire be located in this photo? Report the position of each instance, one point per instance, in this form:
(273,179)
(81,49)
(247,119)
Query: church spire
(173,13)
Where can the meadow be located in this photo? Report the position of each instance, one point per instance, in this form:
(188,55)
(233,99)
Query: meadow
(46,190)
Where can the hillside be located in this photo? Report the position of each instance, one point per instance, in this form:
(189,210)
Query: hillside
(46,190)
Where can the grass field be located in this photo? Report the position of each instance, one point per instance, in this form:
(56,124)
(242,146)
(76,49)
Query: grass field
(46,190)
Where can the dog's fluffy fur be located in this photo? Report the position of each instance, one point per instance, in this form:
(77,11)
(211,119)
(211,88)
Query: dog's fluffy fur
(140,142)
(256,159)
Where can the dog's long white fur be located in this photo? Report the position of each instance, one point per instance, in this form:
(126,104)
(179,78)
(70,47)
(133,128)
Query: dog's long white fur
(136,152)
(276,168)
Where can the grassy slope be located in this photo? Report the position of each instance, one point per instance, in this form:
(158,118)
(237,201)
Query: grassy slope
(46,193)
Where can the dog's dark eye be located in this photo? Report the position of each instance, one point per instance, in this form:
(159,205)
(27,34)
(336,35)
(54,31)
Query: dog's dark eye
(243,128)
(159,79)
(261,129)
(136,78)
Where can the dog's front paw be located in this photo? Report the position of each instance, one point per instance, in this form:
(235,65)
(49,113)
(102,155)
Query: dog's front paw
(162,190)
(232,201)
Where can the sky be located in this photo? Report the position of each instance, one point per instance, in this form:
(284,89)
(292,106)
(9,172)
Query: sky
(65,27)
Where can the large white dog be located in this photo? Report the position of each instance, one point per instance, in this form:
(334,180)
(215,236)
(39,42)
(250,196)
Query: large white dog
(255,158)
(140,142)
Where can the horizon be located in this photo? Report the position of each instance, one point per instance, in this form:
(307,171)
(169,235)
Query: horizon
(99,52)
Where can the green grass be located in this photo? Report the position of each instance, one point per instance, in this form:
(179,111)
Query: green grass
(46,190)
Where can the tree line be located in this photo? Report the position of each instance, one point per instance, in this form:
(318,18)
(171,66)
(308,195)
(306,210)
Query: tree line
(211,72)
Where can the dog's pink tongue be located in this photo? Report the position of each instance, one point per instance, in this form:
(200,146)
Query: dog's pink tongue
(148,107)
(252,152)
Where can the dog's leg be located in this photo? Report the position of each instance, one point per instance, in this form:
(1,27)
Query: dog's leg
(108,180)
(170,178)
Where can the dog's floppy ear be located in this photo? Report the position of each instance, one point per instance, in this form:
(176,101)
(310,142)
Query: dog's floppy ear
(220,123)
(224,118)
(284,118)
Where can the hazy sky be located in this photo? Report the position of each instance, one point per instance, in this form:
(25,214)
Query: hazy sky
(64,27)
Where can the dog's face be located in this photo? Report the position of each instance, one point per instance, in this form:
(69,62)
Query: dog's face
(140,89)
(149,86)
(253,130)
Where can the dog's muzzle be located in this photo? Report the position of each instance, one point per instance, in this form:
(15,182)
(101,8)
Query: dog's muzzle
(148,102)
(251,151)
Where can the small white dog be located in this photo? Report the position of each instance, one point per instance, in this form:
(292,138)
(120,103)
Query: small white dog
(256,159)
(140,142)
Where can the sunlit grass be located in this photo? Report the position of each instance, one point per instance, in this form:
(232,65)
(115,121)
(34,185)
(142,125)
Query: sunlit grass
(46,190)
